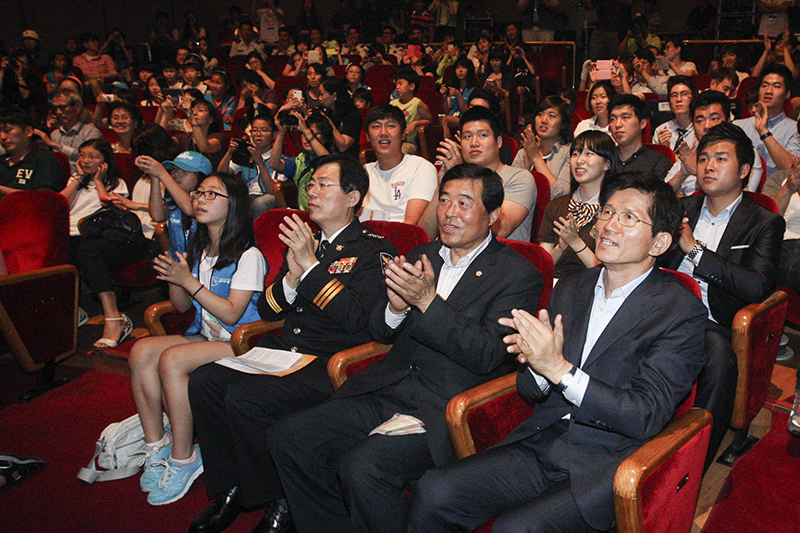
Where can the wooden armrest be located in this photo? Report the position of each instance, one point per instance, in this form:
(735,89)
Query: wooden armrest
(422,142)
(240,338)
(741,341)
(634,470)
(153,314)
(161,236)
(338,363)
(460,405)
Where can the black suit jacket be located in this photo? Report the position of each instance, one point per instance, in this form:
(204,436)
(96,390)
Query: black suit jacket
(331,310)
(641,367)
(457,343)
(744,268)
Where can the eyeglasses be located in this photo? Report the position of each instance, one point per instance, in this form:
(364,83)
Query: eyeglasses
(260,130)
(322,185)
(625,218)
(208,195)
(62,107)
(682,94)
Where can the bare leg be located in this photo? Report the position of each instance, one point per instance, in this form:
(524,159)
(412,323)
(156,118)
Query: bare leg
(146,383)
(174,367)
(112,329)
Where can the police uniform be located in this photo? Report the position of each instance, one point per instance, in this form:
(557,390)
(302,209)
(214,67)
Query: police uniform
(234,410)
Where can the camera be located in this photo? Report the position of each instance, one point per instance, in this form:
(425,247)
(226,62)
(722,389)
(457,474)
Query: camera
(240,155)
(286,118)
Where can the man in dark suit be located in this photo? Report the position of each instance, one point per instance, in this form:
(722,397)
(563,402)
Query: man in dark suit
(442,315)
(325,290)
(621,353)
(732,247)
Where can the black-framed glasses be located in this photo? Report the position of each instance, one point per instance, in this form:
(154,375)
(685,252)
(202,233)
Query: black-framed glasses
(625,218)
(208,195)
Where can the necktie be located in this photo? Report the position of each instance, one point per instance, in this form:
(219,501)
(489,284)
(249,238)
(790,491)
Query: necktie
(323,245)
(582,212)
(681,135)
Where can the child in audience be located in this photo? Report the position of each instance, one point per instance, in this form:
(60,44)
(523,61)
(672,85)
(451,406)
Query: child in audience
(156,85)
(145,71)
(169,69)
(221,95)
(316,136)
(415,110)
(192,74)
(362,98)
(61,70)
(221,275)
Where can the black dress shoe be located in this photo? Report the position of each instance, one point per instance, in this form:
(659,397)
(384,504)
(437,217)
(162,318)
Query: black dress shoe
(15,467)
(276,520)
(219,515)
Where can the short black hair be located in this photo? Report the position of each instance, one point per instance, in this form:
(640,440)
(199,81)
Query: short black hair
(133,111)
(89,36)
(726,131)
(16,117)
(725,73)
(638,105)
(665,211)
(384,112)
(781,70)
(363,94)
(565,112)
(493,193)
(352,175)
(707,98)
(481,114)
(478,93)
(409,74)
(682,80)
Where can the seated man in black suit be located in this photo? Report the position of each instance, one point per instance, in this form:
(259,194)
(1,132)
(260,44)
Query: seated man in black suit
(732,247)
(442,314)
(325,292)
(621,353)
(627,121)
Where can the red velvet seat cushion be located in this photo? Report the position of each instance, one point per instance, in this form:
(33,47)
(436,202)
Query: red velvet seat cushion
(34,230)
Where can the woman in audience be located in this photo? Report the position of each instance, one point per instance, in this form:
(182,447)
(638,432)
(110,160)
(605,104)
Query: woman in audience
(457,90)
(256,63)
(342,114)
(566,230)
(221,275)
(168,116)
(354,78)
(314,75)
(296,66)
(205,136)
(124,120)
(545,144)
(255,91)
(221,95)
(597,104)
(96,181)
(498,77)
(204,51)
(156,85)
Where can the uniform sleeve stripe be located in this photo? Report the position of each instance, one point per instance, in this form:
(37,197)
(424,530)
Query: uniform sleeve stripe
(271,301)
(331,296)
(327,289)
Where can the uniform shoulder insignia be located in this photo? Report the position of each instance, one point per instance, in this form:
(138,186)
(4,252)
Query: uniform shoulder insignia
(368,233)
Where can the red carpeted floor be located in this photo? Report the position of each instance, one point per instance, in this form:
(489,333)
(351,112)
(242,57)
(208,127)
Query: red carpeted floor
(761,495)
(62,426)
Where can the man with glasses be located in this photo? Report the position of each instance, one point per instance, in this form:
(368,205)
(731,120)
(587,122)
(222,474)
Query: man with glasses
(607,364)
(732,247)
(325,289)
(681,90)
(71,132)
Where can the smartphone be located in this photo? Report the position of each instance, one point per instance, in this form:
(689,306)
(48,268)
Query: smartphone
(603,68)
(297,94)
(107,98)
(313,56)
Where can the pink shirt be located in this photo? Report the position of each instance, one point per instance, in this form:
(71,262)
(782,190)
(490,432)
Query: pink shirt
(101,66)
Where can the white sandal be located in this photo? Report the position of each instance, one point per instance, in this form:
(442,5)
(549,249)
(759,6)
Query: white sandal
(127,328)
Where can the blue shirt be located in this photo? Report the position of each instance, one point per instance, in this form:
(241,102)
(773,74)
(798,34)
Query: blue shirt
(782,128)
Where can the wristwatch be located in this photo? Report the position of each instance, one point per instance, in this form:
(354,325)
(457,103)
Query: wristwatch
(698,247)
(567,379)
(765,136)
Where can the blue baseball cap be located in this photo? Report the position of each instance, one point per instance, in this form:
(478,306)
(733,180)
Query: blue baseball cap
(190,162)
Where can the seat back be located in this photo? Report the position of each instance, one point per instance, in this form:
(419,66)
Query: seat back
(656,488)
(266,231)
(282,84)
(664,150)
(763,200)
(541,259)
(542,199)
(34,230)
(403,236)
(127,170)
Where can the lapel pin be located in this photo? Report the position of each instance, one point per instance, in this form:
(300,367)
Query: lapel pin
(479,273)
(339,247)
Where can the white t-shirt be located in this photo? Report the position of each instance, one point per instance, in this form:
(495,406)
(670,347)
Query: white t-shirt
(141,195)
(591,124)
(249,276)
(390,190)
(86,202)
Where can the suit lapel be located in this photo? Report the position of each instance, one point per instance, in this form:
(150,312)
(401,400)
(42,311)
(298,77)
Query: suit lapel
(739,222)
(476,273)
(637,307)
(573,344)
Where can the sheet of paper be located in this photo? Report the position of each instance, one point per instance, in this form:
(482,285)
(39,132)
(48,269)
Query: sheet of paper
(267,361)
(400,424)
